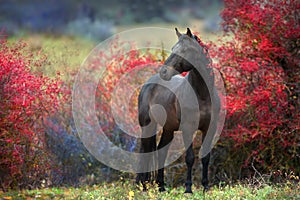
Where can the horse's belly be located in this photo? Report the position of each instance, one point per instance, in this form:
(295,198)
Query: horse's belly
(164,109)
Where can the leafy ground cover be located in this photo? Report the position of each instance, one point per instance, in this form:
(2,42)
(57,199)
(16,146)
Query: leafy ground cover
(127,190)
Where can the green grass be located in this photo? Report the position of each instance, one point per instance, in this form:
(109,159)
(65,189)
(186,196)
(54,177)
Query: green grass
(128,190)
(65,53)
(62,53)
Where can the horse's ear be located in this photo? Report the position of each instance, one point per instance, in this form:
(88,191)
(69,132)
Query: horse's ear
(189,33)
(177,33)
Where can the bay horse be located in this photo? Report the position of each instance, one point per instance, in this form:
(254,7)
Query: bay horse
(187,103)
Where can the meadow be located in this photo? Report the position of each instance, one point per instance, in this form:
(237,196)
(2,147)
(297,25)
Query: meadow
(257,156)
(65,53)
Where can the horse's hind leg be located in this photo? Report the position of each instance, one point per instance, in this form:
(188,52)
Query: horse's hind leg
(148,145)
(164,143)
(205,163)
(189,159)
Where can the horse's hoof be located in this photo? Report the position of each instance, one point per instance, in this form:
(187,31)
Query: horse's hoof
(145,189)
(205,189)
(188,192)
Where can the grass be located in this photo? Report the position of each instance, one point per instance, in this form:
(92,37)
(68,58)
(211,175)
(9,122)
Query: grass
(127,190)
(63,54)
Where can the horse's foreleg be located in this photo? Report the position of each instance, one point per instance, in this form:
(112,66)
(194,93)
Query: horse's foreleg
(163,147)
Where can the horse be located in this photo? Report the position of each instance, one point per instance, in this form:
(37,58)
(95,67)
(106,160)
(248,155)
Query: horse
(187,106)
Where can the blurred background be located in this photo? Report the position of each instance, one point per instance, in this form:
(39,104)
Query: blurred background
(98,20)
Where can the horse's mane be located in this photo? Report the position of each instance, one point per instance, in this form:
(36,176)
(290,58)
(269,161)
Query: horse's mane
(205,51)
(201,43)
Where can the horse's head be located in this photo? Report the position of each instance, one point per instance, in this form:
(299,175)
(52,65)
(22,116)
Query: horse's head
(184,52)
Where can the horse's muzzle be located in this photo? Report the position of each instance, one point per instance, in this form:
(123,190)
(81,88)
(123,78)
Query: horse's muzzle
(166,72)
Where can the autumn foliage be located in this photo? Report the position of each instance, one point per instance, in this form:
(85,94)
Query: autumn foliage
(124,71)
(26,99)
(260,66)
(258,58)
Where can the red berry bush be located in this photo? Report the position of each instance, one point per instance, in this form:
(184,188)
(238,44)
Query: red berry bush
(124,71)
(259,61)
(26,99)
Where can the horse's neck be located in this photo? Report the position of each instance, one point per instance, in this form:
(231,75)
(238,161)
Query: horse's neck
(198,84)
